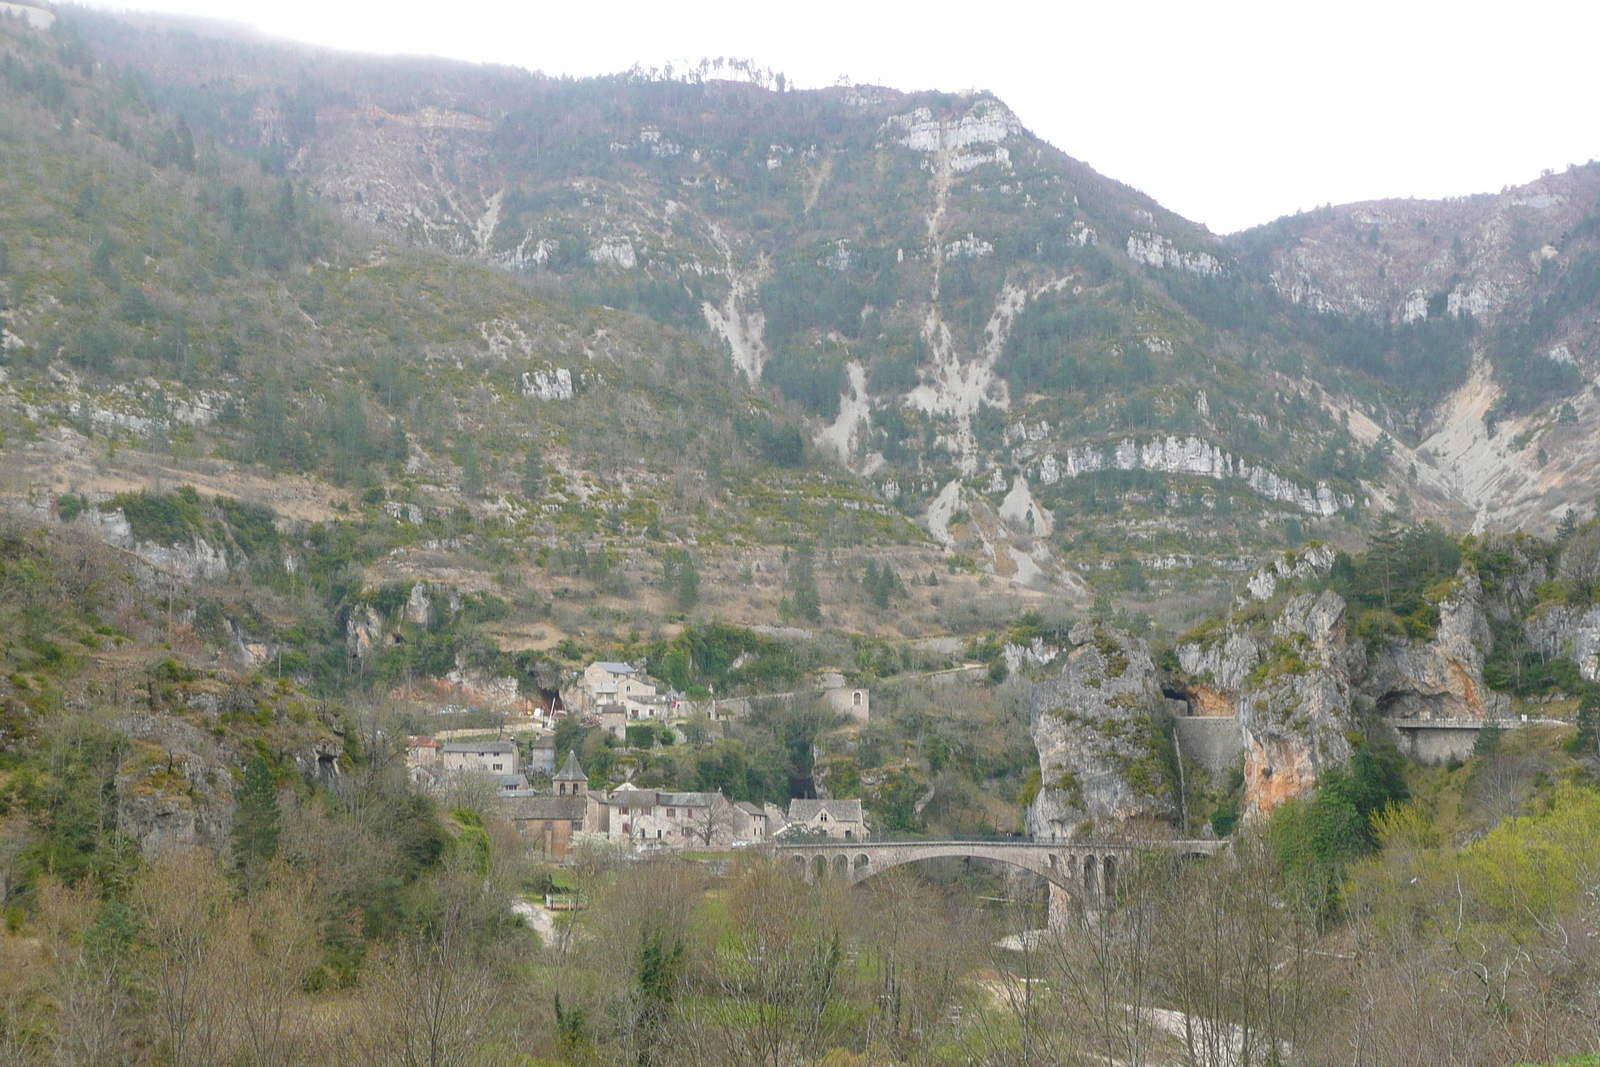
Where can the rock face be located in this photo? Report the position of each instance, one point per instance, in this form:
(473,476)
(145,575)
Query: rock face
(1294,709)
(1564,630)
(1101,734)
(174,789)
(1443,678)
(363,633)
(1295,686)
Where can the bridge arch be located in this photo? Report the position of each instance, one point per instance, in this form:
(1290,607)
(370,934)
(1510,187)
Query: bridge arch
(1084,871)
(866,867)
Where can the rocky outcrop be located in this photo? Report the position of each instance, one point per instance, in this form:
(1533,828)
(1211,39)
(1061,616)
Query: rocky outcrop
(1442,678)
(1192,455)
(1033,655)
(199,560)
(1565,630)
(174,787)
(1294,710)
(1100,730)
(363,633)
(1295,685)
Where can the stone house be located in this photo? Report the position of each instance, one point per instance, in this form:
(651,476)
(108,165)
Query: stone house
(551,824)
(654,818)
(756,824)
(841,819)
(614,720)
(422,752)
(613,683)
(548,824)
(844,699)
(542,754)
(486,757)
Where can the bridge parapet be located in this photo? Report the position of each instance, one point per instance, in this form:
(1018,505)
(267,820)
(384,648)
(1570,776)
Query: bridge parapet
(1085,869)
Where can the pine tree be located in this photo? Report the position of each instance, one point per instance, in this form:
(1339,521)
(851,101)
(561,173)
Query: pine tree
(399,447)
(533,472)
(804,600)
(688,583)
(256,821)
(1384,552)
(471,469)
(886,584)
(185,146)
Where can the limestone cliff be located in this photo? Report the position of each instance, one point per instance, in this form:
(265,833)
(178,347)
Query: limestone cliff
(1442,678)
(1101,733)
(1295,706)
(1565,630)
(1296,685)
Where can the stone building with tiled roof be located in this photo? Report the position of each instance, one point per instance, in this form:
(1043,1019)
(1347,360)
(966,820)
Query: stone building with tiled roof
(841,819)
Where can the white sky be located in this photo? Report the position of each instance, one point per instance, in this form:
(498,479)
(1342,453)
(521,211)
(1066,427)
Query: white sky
(1230,113)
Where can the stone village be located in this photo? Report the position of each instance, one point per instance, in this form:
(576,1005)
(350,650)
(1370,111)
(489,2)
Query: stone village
(568,814)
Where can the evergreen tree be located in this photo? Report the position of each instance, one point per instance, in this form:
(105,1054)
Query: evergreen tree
(803,601)
(271,424)
(679,576)
(184,154)
(256,821)
(1586,742)
(351,438)
(688,583)
(1383,554)
(398,449)
(656,979)
(885,584)
(471,469)
(533,471)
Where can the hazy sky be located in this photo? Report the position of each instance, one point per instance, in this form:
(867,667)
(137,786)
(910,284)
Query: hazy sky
(1230,113)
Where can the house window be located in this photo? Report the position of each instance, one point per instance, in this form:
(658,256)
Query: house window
(848,835)
(672,813)
(548,826)
(577,826)
(498,766)
(823,817)
(857,697)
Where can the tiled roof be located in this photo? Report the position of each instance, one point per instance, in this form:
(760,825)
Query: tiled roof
(838,810)
(545,807)
(570,771)
(481,746)
(688,800)
(633,798)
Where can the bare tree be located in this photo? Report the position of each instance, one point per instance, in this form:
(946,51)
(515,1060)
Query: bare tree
(637,933)
(87,962)
(715,821)
(427,1002)
(269,946)
(782,959)
(180,905)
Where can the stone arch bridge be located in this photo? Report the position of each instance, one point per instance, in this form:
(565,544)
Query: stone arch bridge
(1085,870)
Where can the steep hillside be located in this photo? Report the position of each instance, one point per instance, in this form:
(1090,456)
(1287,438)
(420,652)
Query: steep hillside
(950,300)
(1504,426)
(607,308)
(982,326)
